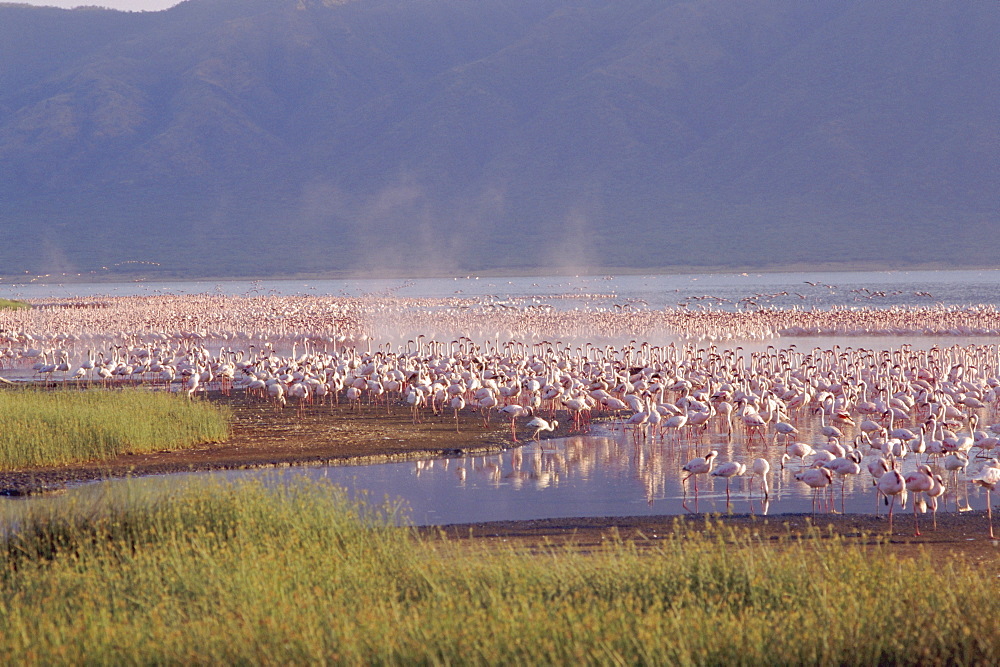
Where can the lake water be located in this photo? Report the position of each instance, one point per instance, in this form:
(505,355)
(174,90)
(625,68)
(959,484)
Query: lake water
(785,290)
(606,473)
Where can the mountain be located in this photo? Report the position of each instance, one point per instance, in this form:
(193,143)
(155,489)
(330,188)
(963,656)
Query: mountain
(283,137)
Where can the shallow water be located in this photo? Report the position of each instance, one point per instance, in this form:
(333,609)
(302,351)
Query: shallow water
(607,473)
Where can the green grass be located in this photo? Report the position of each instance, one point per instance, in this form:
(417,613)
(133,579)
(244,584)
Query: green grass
(10,304)
(57,427)
(297,574)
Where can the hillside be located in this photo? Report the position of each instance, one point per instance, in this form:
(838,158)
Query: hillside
(252,137)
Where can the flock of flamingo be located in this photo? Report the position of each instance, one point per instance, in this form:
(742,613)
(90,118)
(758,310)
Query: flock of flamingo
(906,416)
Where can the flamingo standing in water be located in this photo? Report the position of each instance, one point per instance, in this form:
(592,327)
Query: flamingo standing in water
(698,466)
(920,480)
(842,466)
(892,484)
(936,491)
(877,468)
(762,467)
(816,479)
(728,470)
(988,478)
(540,425)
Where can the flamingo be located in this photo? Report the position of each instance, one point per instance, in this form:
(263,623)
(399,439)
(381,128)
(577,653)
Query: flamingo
(936,491)
(955,463)
(487,403)
(920,480)
(877,468)
(754,422)
(728,470)
(193,383)
(828,431)
(540,425)
(988,478)
(698,466)
(638,423)
(577,405)
(762,467)
(415,400)
(677,422)
(276,393)
(816,478)
(892,484)
(457,403)
(842,466)
(798,450)
(514,411)
(785,429)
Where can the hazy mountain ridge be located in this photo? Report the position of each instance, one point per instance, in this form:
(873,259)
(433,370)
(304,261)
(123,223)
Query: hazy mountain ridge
(224,137)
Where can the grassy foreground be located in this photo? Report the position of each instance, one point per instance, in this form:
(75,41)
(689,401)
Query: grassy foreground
(57,427)
(297,574)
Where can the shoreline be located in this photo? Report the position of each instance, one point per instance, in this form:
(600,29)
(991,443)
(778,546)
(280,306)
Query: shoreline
(264,437)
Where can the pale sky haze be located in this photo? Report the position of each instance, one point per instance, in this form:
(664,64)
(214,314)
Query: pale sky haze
(126,5)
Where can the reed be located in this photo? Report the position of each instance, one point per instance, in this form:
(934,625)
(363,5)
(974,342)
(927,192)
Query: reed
(297,573)
(11,304)
(62,426)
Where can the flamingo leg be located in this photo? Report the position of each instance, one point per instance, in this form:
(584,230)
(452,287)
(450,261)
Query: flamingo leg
(989,511)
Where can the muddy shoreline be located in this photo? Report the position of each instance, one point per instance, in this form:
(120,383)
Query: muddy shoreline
(263,437)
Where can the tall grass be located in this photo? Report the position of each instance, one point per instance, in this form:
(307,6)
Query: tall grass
(10,304)
(297,574)
(56,427)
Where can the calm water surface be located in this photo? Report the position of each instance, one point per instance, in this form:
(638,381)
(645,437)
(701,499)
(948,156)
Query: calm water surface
(603,474)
